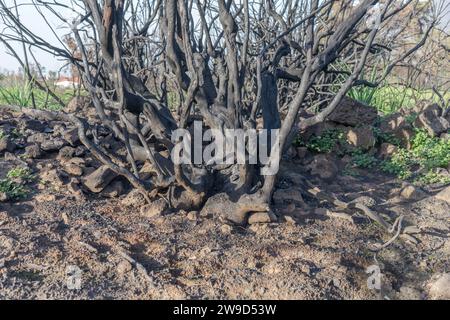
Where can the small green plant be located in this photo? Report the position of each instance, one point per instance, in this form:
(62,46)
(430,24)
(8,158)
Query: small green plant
(325,142)
(15,134)
(362,159)
(411,118)
(22,173)
(398,165)
(433,177)
(12,189)
(430,152)
(427,154)
(363,93)
(382,137)
(13,185)
(17,95)
(2,134)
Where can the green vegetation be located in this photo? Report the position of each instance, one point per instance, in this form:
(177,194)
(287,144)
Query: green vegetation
(19,172)
(323,143)
(426,155)
(382,137)
(387,97)
(420,163)
(362,159)
(13,185)
(20,94)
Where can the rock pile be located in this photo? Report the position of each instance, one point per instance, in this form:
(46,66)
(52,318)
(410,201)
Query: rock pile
(52,151)
(362,129)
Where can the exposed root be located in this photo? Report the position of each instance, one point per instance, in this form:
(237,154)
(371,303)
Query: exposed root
(396,226)
(340,215)
(372,215)
(398,222)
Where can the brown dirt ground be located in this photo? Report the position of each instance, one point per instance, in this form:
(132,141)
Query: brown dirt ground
(174,256)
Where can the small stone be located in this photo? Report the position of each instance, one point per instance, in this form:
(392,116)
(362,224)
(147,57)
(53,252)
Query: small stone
(54,177)
(409,293)
(302,152)
(38,138)
(365,200)
(289,219)
(154,209)
(440,288)
(226,228)
(287,210)
(444,195)
(321,211)
(65,218)
(291,153)
(323,166)
(33,151)
(99,179)
(361,137)
(133,198)
(411,192)
(352,113)
(35,125)
(74,188)
(114,190)
(192,215)
(3,196)
(431,121)
(71,136)
(291,195)
(73,169)
(54,144)
(124,267)
(66,153)
(80,151)
(262,217)
(387,150)
(78,103)
(7,145)
(392,123)
(411,230)
(45,197)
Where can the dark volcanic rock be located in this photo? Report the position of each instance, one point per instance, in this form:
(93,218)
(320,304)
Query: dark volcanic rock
(352,113)
(99,179)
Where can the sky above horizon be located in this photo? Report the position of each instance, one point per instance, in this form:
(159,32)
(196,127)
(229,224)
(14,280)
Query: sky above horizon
(34,21)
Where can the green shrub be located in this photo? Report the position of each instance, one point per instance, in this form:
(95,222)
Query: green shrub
(433,177)
(362,159)
(325,142)
(13,185)
(382,137)
(426,154)
(22,173)
(12,189)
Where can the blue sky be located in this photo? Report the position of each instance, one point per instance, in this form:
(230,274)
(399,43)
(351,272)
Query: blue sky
(34,21)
